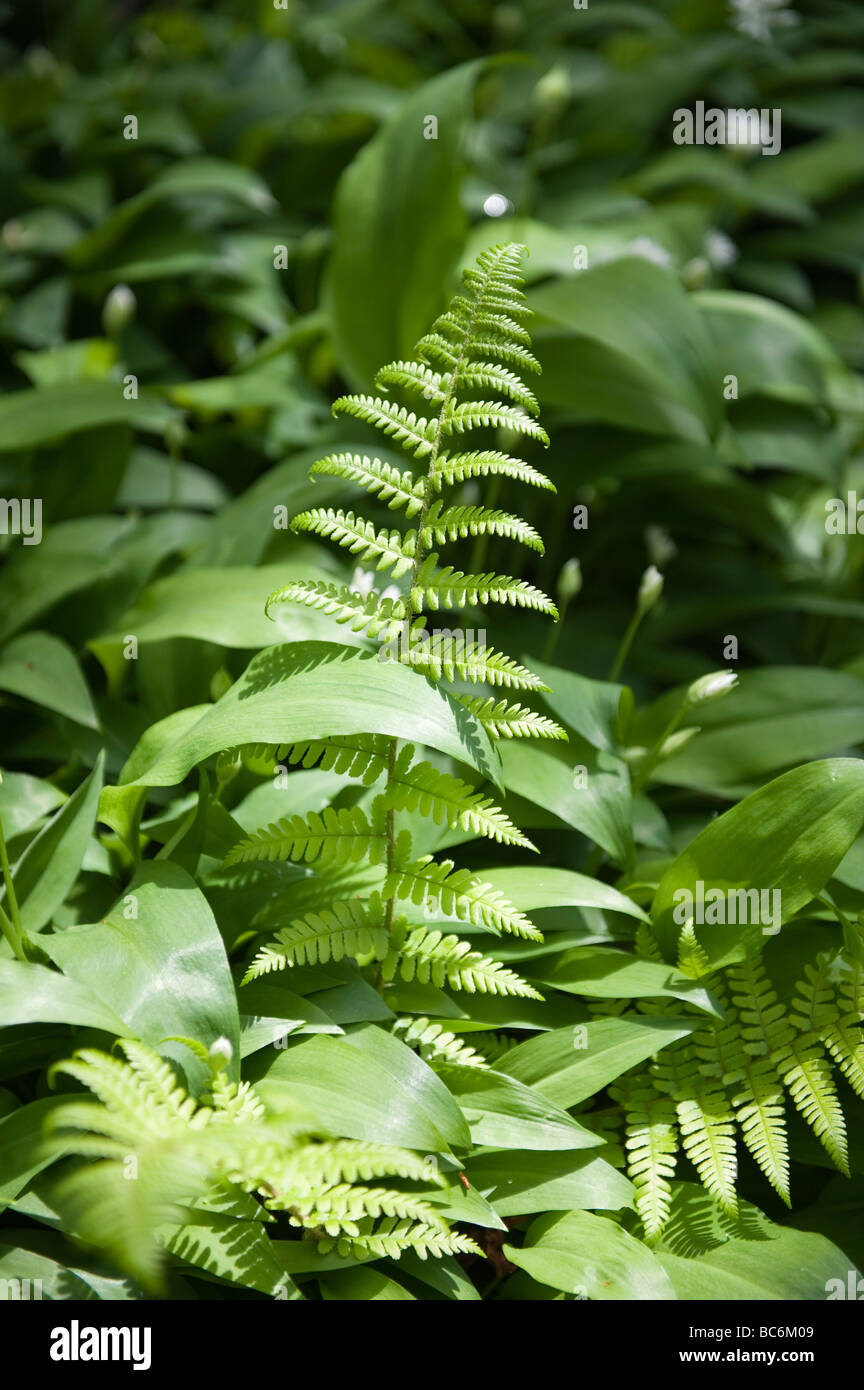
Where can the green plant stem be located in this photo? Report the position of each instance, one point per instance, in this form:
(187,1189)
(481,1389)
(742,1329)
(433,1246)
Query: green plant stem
(390,830)
(653,758)
(626,643)
(12,929)
(555,630)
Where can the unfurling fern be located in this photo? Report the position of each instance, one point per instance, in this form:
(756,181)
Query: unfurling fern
(731,1076)
(477,347)
(161,1153)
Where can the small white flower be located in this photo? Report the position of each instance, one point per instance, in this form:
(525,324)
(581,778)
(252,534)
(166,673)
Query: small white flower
(712,687)
(496,205)
(222,1048)
(661,547)
(363,582)
(720,248)
(649,250)
(649,590)
(758,17)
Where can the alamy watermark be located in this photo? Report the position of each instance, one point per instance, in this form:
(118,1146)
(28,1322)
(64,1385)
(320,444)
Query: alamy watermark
(21,516)
(758,127)
(729,907)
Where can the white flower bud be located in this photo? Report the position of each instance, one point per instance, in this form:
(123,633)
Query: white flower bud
(649,590)
(118,310)
(221,1051)
(711,687)
(569,581)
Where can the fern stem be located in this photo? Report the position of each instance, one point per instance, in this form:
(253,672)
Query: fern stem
(390,831)
(390,834)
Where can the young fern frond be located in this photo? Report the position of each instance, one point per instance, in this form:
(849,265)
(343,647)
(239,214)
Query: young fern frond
(331,836)
(446,961)
(392,485)
(477,347)
(371,615)
(455,522)
(390,549)
(485,463)
(185,1150)
(350,928)
(732,1075)
(449,588)
(435,1044)
(459,892)
(504,720)
(416,434)
(652,1151)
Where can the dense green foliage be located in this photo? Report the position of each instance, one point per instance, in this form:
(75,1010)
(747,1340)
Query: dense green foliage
(350,950)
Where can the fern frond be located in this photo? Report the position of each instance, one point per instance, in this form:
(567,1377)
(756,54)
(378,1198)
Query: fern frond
(692,958)
(503,720)
(760,1111)
(393,486)
(651,1144)
(421,787)
(765,1027)
(451,588)
(435,1044)
(473,415)
(459,892)
(363,756)
(390,548)
(315,1167)
(443,652)
(447,961)
(339,1210)
(482,463)
(807,1075)
(455,522)
(843,1037)
(708,1133)
(343,929)
(413,376)
(412,432)
(488,375)
(372,615)
(332,836)
(391,1237)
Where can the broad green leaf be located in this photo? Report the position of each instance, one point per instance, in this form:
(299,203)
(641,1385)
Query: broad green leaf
(504,1114)
(25,800)
(707,1255)
(298,691)
(589,707)
(399,227)
(159,962)
(587,789)
(225,606)
(39,416)
(530,889)
(591,1257)
(356,1093)
(777,716)
(624,343)
(51,863)
(771,350)
(366,1285)
(606,973)
(568,1065)
(34,994)
(236,1251)
(40,667)
(788,836)
(520,1183)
